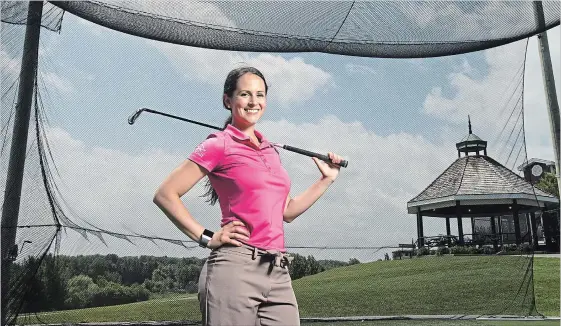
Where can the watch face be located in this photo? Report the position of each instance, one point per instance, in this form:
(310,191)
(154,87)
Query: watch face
(537,170)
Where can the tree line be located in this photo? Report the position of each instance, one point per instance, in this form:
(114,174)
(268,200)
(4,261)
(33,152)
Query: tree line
(73,282)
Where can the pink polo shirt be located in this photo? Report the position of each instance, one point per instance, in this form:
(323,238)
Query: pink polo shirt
(251,184)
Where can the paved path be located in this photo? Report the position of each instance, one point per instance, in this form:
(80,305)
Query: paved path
(338,319)
(548,255)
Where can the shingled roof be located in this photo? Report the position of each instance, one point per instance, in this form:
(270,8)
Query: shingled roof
(478,178)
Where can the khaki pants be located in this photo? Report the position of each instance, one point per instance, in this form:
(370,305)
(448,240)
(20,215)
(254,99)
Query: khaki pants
(247,286)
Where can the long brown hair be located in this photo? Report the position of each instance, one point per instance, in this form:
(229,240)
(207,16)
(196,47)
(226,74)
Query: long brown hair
(230,85)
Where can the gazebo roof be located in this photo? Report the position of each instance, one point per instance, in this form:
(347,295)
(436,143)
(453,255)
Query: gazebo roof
(535,160)
(470,137)
(478,180)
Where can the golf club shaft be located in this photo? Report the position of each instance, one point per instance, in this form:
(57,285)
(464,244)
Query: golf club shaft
(322,157)
(136,114)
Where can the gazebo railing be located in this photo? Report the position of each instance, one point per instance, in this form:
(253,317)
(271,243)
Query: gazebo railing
(473,240)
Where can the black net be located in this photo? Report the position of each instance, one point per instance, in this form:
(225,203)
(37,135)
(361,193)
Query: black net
(15,12)
(393,29)
(92,247)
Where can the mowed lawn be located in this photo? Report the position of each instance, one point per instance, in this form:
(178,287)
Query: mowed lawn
(469,285)
(546,284)
(421,286)
(437,323)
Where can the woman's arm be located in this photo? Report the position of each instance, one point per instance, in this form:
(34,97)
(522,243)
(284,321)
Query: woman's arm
(296,206)
(167,198)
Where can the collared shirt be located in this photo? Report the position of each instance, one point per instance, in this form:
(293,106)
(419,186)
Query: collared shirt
(250,181)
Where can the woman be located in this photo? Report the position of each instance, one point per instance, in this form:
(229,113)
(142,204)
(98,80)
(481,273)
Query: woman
(245,280)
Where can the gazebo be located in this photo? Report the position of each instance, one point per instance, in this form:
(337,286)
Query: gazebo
(477,186)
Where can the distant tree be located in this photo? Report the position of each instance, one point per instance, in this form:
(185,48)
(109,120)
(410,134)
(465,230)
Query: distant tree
(353,261)
(54,286)
(386,256)
(329,264)
(548,183)
(111,276)
(81,291)
(313,267)
(97,266)
(34,289)
(164,277)
(297,268)
(187,277)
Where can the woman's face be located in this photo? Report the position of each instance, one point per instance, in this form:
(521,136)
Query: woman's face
(248,101)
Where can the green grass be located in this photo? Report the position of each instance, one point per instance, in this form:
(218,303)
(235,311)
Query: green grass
(546,285)
(432,285)
(437,323)
(179,307)
(424,286)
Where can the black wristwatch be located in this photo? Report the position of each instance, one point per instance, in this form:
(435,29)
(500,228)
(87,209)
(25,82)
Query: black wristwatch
(205,238)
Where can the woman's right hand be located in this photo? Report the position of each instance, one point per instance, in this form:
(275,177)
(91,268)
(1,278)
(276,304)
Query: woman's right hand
(229,234)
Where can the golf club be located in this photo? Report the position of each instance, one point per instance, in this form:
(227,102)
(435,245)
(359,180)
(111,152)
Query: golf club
(132,119)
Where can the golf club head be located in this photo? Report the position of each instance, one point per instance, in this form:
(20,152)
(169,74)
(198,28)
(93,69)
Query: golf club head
(135,115)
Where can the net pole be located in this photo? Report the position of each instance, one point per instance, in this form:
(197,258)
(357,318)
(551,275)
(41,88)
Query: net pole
(549,84)
(14,179)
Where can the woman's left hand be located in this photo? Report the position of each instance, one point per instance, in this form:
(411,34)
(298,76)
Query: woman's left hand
(329,170)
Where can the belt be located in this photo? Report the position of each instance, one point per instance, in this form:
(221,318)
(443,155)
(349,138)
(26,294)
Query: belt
(281,259)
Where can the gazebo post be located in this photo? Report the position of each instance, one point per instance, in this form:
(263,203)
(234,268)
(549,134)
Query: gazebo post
(448,231)
(500,225)
(420,237)
(494,233)
(460,226)
(528,236)
(516,221)
(472,229)
(534,227)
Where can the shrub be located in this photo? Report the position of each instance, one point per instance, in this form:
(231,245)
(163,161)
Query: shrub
(488,250)
(81,291)
(423,251)
(442,251)
(115,294)
(473,250)
(525,248)
(466,250)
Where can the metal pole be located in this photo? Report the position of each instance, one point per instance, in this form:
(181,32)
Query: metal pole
(12,192)
(549,85)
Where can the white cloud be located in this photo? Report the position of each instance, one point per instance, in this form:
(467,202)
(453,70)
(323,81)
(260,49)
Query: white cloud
(10,66)
(291,80)
(360,69)
(367,203)
(488,99)
(11,69)
(538,134)
(473,95)
(62,84)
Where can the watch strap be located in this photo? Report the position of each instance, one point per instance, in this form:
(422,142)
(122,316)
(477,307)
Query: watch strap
(205,238)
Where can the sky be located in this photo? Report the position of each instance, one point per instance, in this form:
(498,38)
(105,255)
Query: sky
(395,120)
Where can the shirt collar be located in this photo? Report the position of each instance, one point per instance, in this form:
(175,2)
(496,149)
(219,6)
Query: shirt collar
(239,135)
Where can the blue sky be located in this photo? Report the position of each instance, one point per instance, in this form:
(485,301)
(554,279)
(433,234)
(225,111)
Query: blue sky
(130,74)
(396,120)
